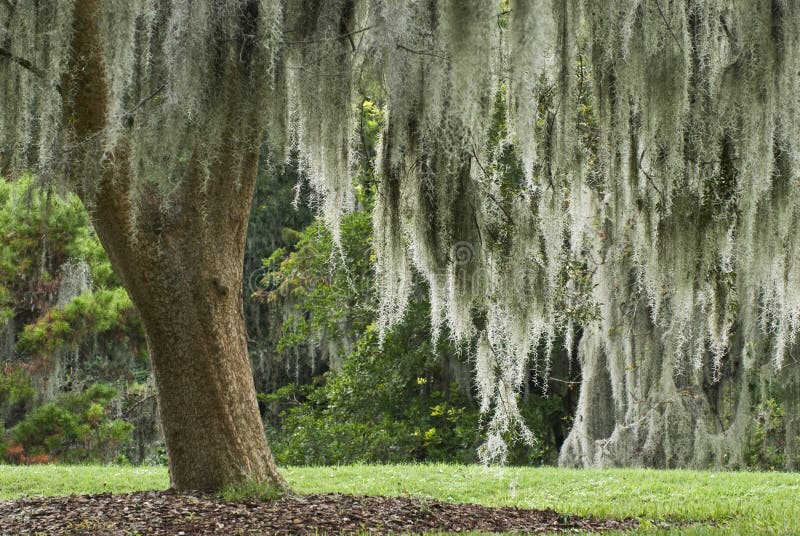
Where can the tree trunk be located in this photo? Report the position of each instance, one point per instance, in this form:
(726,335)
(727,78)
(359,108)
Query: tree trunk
(184,274)
(180,257)
(189,297)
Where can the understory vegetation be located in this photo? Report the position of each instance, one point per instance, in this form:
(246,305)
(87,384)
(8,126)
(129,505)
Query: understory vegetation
(74,365)
(75,384)
(709,502)
(357,398)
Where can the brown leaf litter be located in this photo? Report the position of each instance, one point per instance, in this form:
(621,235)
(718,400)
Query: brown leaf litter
(200,513)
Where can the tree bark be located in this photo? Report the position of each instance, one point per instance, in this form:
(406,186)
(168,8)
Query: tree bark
(181,263)
(188,292)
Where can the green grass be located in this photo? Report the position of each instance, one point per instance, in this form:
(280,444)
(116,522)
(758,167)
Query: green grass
(19,480)
(738,502)
(250,490)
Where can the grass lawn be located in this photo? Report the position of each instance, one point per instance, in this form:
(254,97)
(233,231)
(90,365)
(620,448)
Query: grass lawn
(737,502)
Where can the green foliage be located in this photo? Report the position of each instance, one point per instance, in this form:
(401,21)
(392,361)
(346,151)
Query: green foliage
(15,386)
(107,310)
(406,399)
(386,405)
(335,302)
(766,441)
(390,402)
(42,229)
(329,287)
(76,428)
(45,233)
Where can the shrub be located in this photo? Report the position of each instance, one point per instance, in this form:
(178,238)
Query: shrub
(390,403)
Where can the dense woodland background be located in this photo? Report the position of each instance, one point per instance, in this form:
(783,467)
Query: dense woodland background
(75,383)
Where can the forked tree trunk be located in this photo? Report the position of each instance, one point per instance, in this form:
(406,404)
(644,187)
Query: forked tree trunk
(182,266)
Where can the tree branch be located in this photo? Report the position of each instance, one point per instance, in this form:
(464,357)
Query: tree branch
(669,27)
(489,194)
(127,115)
(650,178)
(22,62)
(348,35)
(26,64)
(422,52)
(129,411)
(144,101)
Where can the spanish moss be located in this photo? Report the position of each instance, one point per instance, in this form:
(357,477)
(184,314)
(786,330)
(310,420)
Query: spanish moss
(638,202)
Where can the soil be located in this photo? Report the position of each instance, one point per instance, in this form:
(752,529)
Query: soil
(199,513)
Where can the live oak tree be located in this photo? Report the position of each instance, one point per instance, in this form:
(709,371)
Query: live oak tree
(649,216)
(154,114)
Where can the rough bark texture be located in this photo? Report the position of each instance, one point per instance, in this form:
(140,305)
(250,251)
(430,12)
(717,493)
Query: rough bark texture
(182,265)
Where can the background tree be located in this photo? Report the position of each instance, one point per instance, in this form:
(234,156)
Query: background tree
(67,325)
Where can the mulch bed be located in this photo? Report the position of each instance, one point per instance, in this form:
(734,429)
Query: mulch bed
(197,513)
